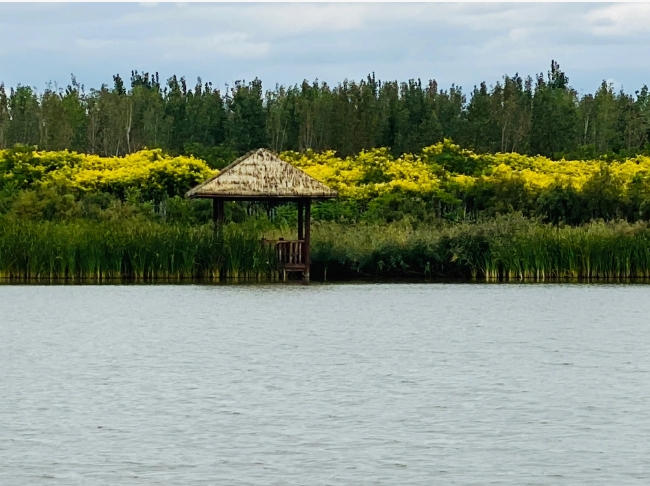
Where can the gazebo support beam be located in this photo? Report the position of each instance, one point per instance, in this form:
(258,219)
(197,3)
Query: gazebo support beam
(305,275)
(301,226)
(217,211)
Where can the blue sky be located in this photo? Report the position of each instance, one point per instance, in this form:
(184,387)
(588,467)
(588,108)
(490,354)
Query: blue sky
(461,43)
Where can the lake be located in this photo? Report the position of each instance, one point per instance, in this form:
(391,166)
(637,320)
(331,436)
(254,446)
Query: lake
(409,384)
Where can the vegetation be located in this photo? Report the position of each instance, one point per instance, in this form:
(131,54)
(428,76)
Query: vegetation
(442,181)
(508,248)
(538,183)
(539,115)
(155,174)
(137,250)
(503,248)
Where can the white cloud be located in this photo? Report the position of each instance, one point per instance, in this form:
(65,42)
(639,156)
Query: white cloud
(230,45)
(620,19)
(288,42)
(183,47)
(269,19)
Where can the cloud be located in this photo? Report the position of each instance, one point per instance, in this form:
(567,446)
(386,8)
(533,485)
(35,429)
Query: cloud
(228,45)
(620,19)
(234,45)
(463,43)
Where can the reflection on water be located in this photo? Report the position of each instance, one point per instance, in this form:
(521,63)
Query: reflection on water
(326,384)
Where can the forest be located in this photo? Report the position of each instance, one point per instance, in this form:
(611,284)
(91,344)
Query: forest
(535,115)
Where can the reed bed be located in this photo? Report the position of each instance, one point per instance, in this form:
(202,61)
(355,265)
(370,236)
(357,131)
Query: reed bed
(512,248)
(139,251)
(508,248)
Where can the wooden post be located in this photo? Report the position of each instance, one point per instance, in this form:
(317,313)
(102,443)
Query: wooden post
(301,230)
(305,275)
(222,212)
(217,211)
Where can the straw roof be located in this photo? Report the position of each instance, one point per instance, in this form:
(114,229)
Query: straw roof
(261,174)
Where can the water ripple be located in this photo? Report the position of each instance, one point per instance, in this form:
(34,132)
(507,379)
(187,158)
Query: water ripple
(327,384)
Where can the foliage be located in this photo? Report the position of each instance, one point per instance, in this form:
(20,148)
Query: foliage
(216,157)
(506,248)
(443,181)
(446,181)
(131,249)
(533,115)
(151,172)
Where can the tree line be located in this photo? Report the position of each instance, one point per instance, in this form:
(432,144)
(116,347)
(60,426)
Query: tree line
(540,115)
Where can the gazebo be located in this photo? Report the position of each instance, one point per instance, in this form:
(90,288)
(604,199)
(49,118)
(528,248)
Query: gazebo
(261,176)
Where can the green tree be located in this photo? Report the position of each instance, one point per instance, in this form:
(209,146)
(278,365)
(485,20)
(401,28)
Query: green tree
(5,117)
(554,114)
(246,129)
(24,111)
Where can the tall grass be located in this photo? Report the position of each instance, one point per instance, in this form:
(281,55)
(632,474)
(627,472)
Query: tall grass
(141,251)
(511,248)
(508,248)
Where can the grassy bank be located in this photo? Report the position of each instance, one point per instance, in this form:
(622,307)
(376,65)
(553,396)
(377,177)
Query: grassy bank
(503,248)
(142,250)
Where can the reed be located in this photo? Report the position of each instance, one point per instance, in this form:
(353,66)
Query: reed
(504,248)
(140,251)
(507,248)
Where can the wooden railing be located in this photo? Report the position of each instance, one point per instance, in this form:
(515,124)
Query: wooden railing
(290,254)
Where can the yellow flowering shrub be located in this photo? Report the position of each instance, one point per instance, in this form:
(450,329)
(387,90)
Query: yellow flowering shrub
(454,176)
(439,178)
(370,174)
(150,171)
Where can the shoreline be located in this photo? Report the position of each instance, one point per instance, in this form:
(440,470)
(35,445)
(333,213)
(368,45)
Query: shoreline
(244,281)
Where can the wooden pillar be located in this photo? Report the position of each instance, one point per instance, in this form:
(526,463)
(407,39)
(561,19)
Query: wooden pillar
(217,211)
(305,275)
(301,229)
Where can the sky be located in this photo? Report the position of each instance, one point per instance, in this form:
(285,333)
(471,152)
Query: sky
(284,43)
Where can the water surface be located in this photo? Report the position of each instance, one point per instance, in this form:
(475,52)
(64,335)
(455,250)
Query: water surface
(326,384)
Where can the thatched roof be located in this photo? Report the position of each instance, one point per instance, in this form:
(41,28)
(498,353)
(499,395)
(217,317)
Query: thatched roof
(261,174)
